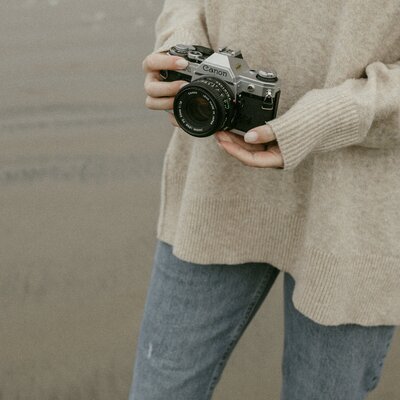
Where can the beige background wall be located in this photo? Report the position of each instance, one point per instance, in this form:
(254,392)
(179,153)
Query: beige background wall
(80,167)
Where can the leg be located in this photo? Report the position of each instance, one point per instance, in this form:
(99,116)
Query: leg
(193,317)
(330,362)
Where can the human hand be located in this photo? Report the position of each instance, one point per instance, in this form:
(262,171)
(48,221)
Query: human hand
(259,149)
(160,94)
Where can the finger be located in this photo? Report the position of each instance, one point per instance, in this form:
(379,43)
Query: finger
(260,134)
(153,77)
(161,103)
(231,137)
(158,61)
(155,88)
(273,148)
(172,120)
(260,159)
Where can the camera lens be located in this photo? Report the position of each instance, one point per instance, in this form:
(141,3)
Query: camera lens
(199,109)
(204,106)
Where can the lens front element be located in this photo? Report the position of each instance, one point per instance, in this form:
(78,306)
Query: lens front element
(204,106)
(199,109)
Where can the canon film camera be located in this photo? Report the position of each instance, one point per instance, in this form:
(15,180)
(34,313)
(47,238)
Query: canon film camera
(223,93)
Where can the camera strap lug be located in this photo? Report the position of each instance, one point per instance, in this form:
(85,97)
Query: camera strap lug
(268,102)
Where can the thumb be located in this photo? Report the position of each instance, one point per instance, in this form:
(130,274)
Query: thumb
(260,134)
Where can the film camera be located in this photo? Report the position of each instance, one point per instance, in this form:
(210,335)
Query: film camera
(223,93)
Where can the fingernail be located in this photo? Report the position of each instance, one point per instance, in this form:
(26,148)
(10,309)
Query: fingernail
(183,85)
(182,63)
(250,136)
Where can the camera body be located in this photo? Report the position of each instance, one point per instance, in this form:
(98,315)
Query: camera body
(223,92)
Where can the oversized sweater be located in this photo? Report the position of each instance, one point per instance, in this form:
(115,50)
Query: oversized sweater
(331,216)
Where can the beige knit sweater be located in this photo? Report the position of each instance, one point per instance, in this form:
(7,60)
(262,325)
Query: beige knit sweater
(331,216)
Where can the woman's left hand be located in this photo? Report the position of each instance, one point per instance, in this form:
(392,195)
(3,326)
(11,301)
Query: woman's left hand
(258,148)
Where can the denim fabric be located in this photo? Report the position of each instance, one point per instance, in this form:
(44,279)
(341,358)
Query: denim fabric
(195,314)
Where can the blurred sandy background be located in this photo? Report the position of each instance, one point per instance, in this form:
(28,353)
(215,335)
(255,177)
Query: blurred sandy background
(80,168)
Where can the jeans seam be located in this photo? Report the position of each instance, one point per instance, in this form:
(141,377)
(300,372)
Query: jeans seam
(374,380)
(237,334)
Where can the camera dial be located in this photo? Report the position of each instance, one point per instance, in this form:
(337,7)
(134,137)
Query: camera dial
(267,76)
(181,50)
(195,56)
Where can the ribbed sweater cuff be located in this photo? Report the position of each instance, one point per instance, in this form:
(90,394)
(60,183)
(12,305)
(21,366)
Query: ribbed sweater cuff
(322,120)
(179,36)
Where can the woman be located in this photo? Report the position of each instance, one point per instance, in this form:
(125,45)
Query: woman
(313,193)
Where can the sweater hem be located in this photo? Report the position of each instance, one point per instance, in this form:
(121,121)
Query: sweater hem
(326,290)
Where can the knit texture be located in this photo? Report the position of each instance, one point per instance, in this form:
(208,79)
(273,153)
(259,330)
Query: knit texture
(331,216)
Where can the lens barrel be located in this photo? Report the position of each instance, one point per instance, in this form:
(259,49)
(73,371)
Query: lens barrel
(204,106)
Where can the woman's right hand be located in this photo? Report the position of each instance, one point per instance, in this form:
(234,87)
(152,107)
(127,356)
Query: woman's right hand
(160,94)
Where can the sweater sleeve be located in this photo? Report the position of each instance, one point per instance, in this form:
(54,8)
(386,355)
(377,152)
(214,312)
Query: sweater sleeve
(330,118)
(181,21)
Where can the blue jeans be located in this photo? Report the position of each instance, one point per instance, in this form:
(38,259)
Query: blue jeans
(195,314)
